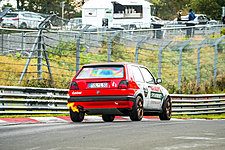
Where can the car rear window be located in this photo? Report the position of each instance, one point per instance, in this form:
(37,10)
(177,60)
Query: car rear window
(11,15)
(101,72)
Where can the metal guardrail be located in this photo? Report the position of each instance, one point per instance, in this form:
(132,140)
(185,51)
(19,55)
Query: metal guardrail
(198,104)
(31,100)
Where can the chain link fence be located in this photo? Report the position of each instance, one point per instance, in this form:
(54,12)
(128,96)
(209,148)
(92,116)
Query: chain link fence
(184,57)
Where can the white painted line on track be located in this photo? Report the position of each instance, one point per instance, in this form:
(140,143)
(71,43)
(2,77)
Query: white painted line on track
(92,118)
(48,119)
(2,121)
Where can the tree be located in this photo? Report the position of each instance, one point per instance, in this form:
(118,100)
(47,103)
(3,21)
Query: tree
(212,8)
(41,6)
(167,9)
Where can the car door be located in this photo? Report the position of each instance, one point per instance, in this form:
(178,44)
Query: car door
(138,78)
(27,20)
(154,95)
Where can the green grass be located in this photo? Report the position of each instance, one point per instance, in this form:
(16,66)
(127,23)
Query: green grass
(219,116)
(39,115)
(214,116)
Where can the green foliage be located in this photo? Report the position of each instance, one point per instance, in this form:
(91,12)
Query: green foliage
(212,8)
(222,32)
(30,115)
(64,48)
(18,55)
(168,9)
(216,116)
(39,83)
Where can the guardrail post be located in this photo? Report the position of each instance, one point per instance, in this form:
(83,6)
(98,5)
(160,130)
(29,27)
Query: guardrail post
(138,47)
(110,45)
(160,58)
(216,56)
(180,63)
(198,60)
(78,47)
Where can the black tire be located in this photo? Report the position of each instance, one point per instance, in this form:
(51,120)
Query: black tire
(23,26)
(77,116)
(166,110)
(137,111)
(108,118)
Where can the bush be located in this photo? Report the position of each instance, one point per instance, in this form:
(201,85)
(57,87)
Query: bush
(222,32)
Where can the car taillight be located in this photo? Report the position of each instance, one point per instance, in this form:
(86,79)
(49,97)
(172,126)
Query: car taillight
(123,84)
(16,19)
(74,86)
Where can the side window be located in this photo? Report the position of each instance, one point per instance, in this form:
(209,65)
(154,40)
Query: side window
(137,74)
(27,15)
(147,75)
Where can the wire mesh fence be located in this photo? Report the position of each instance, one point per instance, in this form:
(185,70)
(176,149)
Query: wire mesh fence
(50,58)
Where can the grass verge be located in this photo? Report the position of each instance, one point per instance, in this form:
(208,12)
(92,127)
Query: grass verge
(220,116)
(214,116)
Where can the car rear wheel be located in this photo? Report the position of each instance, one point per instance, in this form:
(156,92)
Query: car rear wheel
(23,25)
(137,111)
(166,110)
(108,118)
(77,116)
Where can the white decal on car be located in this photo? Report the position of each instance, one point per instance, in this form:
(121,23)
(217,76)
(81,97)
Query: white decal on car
(75,93)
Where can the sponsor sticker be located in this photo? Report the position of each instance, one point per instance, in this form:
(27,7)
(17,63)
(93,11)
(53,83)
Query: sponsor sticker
(76,93)
(155,89)
(156,95)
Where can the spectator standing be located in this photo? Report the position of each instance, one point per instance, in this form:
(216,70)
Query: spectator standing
(223,20)
(191,15)
(179,13)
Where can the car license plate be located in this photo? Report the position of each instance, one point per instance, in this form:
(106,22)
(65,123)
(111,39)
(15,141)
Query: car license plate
(98,85)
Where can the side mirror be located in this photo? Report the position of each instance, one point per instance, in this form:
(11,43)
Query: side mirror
(158,81)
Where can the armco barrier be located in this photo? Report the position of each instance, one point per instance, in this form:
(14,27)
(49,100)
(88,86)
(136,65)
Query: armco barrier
(30,100)
(198,104)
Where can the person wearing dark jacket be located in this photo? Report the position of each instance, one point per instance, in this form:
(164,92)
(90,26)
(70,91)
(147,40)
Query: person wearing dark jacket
(179,15)
(223,20)
(191,15)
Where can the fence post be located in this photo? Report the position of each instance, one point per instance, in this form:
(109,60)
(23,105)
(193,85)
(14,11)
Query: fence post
(180,62)
(37,41)
(30,56)
(39,61)
(198,60)
(110,45)
(216,56)
(46,58)
(138,47)
(2,41)
(22,42)
(78,47)
(160,58)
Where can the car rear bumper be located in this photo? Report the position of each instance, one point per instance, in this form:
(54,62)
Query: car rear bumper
(104,104)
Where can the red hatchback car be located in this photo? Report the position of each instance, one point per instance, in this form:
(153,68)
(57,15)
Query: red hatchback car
(111,89)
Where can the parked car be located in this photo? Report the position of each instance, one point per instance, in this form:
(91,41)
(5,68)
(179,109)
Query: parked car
(111,89)
(22,20)
(74,23)
(200,19)
(203,19)
(155,19)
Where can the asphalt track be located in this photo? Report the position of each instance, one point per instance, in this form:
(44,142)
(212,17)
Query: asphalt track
(122,134)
